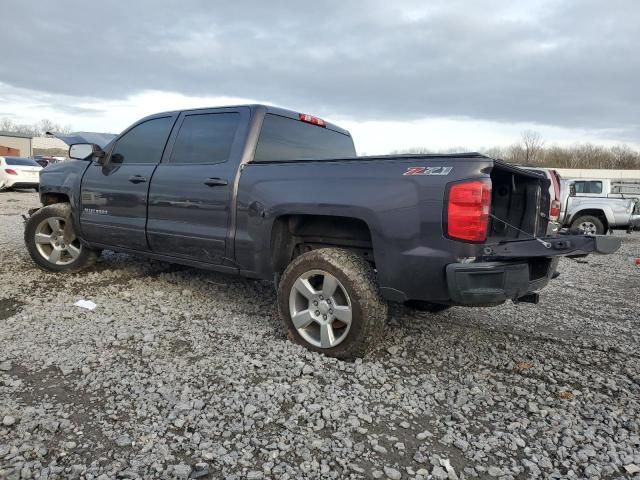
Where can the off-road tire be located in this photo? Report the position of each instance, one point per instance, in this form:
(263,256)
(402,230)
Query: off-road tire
(369,311)
(600,230)
(85,259)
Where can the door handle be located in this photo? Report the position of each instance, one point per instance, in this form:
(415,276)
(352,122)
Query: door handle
(215,182)
(137,179)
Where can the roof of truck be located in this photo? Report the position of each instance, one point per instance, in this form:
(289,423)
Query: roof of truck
(257,106)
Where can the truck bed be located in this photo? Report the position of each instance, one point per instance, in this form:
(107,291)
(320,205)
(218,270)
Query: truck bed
(401,201)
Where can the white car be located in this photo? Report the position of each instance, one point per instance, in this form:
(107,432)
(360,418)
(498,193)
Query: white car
(17,172)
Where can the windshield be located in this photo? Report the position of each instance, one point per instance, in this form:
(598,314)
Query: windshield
(22,162)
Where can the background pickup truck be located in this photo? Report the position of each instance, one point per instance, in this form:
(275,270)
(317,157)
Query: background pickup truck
(273,194)
(596,206)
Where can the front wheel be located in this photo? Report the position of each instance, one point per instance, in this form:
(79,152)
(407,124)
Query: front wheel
(588,224)
(330,303)
(52,243)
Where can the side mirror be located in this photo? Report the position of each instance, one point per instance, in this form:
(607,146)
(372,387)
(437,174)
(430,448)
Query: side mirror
(85,151)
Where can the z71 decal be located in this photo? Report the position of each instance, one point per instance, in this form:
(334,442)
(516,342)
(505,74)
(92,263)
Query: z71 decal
(427,171)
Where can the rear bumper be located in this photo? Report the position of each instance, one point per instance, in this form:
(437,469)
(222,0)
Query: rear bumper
(490,283)
(480,274)
(514,269)
(21,185)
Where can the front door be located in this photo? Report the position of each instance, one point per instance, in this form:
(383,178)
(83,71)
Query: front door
(114,194)
(191,190)
(583,192)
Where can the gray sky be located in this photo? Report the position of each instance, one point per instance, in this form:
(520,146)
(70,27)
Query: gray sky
(399,74)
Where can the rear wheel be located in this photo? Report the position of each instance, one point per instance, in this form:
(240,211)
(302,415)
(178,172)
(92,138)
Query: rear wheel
(588,224)
(52,243)
(330,303)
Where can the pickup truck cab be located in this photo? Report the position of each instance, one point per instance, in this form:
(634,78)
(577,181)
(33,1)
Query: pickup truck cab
(268,193)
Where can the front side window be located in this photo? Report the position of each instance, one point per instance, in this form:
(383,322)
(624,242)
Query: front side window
(144,143)
(205,138)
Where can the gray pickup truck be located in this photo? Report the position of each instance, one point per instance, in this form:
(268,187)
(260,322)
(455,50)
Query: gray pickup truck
(269,193)
(599,205)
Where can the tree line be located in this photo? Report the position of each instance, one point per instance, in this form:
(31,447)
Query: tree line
(37,129)
(532,151)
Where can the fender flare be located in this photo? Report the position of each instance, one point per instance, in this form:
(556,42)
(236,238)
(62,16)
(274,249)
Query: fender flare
(606,211)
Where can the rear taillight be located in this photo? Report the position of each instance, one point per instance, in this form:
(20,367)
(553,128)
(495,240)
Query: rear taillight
(468,210)
(10,171)
(554,211)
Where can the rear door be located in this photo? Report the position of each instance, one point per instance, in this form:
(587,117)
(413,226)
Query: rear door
(191,190)
(114,195)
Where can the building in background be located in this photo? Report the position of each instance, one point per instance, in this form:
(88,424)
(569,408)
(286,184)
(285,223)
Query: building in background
(50,146)
(597,173)
(15,144)
(23,145)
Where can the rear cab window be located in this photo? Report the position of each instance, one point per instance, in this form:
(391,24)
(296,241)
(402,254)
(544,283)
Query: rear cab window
(21,162)
(285,139)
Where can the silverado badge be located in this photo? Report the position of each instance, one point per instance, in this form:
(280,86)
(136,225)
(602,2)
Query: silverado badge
(427,171)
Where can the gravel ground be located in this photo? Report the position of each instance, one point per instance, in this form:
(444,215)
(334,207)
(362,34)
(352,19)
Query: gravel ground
(180,373)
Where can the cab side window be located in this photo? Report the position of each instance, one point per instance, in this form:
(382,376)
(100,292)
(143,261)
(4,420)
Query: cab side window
(205,138)
(594,187)
(144,143)
(589,187)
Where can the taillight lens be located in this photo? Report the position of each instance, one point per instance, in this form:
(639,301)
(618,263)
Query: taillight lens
(554,211)
(10,171)
(468,210)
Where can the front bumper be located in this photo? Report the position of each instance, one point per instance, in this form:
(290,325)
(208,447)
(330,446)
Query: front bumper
(511,270)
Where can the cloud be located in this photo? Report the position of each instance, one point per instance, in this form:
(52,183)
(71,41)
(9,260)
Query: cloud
(556,63)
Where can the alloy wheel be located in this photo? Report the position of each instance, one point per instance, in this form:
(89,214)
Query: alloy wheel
(52,245)
(320,309)
(589,228)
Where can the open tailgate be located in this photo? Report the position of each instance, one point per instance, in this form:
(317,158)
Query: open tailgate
(565,245)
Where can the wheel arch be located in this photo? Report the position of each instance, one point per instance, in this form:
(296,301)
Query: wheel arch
(605,216)
(290,231)
(49,198)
